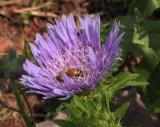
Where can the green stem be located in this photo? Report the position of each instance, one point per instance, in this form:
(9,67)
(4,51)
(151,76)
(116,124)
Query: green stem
(29,107)
(20,103)
(6,106)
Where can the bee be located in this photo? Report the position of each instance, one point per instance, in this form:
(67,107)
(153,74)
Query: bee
(70,72)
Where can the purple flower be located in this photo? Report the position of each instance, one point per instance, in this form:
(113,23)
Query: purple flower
(68,63)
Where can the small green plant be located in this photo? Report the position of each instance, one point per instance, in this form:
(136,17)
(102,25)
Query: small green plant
(92,109)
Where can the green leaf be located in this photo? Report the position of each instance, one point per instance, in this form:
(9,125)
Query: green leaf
(140,35)
(3,118)
(146,7)
(78,103)
(154,40)
(105,100)
(154,87)
(151,6)
(126,22)
(127,43)
(29,107)
(151,59)
(155,107)
(74,112)
(150,93)
(153,26)
(23,113)
(120,112)
(125,79)
(138,30)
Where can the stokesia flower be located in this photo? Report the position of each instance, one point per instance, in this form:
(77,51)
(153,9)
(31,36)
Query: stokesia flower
(68,63)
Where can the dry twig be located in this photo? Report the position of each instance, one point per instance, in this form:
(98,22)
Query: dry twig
(36,13)
(32,8)
(4,2)
(43,14)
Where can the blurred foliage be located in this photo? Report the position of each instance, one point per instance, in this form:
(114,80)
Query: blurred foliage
(90,108)
(18,91)
(142,37)
(146,7)
(11,68)
(26,17)
(11,64)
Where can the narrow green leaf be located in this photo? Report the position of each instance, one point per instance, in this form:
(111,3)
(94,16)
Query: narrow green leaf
(78,103)
(105,101)
(124,79)
(20,103)
(6,106)
(120,112)
(75,113)
(138,83)
(29,107)
(3,118)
